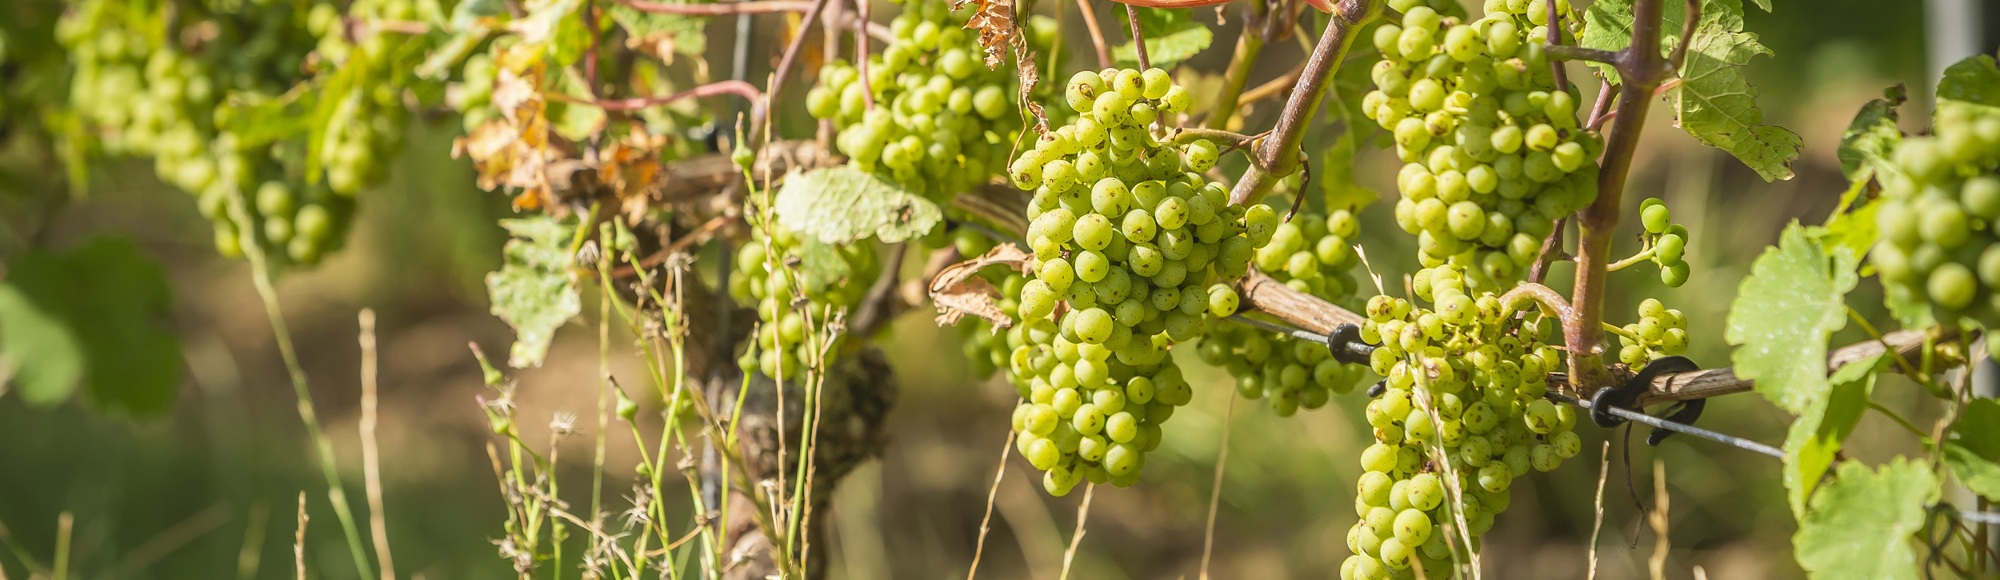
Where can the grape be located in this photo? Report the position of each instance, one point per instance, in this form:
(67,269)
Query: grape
(942,122)
(1479,119)
(785,345)
(1141,249)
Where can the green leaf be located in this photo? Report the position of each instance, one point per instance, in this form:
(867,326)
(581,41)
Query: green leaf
(1172,36)
(1818,433)
(1713,102)
(469,13)
(534,291)
(258,120)
(1973,453)
(1973,81)
(116,307)
(1853,229)
(38,353)
(1335,167)
(1784,313)
(577,120)
(838,205)
(662,34)
(1872,135)
(1860,526)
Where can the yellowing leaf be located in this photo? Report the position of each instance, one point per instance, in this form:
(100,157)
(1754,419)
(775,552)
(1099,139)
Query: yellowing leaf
(842,204)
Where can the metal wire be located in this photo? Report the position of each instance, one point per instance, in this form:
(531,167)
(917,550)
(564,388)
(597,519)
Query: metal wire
(1627,414)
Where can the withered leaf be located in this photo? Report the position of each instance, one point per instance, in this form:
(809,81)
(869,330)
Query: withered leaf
(958,290)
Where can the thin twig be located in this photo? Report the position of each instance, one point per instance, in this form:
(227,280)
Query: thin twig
(785,64)
(1597,522)
(65,526)
(1096,34)
(714,89)
(1559,53)
(1278,85)
(720,8)
(1215,489)
(1555,39)
(1600,111)
(1076,538)
(992,493)
(1138,37)
(1551,251)
(1657,564)
(1688,23)
(1249,44)
(371,454)
(861,52)
(299,540)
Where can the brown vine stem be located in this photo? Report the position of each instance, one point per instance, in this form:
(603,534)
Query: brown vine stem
(1138,38)
(861,51)
(1269,296)
(1687,31)
(1550,301)
(785,64)
(720,9)
(1600,111)
(1641,70)
(1280,154)
(1096,34)
(1555,39)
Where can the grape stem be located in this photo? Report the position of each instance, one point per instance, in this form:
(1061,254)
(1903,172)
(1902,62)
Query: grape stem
(1692,19)
(1096,34)
(1643,255)
(1550,301)
(1138,37)
(785,66)
(1280,154)
(1613,329)
(1600,111)
(1564,52)
(1641,69)
(1226,139)
(1555,39)
(714,89)
(1249,44)
(1551,251)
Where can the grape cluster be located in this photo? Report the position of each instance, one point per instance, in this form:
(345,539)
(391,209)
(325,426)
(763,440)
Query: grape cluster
(1666,240)
(1660,332)
(1937,218)
(1312,254)
(930,115)
(1461,416)
(1133,252)
(791,305)
(169,82)
(1493,152)
(368,121)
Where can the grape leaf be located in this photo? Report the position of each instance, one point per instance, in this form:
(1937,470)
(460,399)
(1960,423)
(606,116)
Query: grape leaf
(533,291)
(1851,226)
(1860,526)
(1713,102)
(1819,432)
(38,353)
(1172,36)
(1973,453)
(661,35)
(578,119)
(1974,81)
(1784,312)
(838,205)
(821,267)
(1872,134)
(116,307)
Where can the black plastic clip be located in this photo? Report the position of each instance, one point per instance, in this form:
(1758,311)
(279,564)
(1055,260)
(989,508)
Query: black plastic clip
(1627,396)
(1346,345)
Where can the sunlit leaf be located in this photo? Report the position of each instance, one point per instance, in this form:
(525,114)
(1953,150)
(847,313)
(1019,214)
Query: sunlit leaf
(1861,524)
(1973,453)
(39,355)
(1973,81)
(1784,313)
(534,291)
(116,307)
(1872,135)
(1172,36)
(838,205)
(1817,435)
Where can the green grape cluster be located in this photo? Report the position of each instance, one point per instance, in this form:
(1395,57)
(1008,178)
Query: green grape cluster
(1492,149)
(772,278)
(1312,254)
(368,120)
(940,121)
(1937,218)
(1666,240)
(144,86)
(1660,332)
(1462,415)
(1133,254)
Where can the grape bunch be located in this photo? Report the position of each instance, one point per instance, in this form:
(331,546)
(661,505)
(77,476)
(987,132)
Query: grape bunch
(1461,416)
(1133,254)
(143,86)
(369,118)
(775,278)
(1312,254)
(1666,240)
(1492,149)
(1660,332)
(1937,218)
(930,116)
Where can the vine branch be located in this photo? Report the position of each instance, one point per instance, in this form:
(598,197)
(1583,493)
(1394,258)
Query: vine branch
(1279,156)
(720,9)
(1096,34)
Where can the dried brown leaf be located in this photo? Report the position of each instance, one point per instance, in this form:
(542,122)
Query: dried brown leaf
(958,290)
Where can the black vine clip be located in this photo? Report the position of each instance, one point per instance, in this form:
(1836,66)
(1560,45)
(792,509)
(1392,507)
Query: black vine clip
(1346,345)
(1627,396)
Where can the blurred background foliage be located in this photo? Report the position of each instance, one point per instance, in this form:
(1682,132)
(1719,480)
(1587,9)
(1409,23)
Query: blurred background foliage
(208,488)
